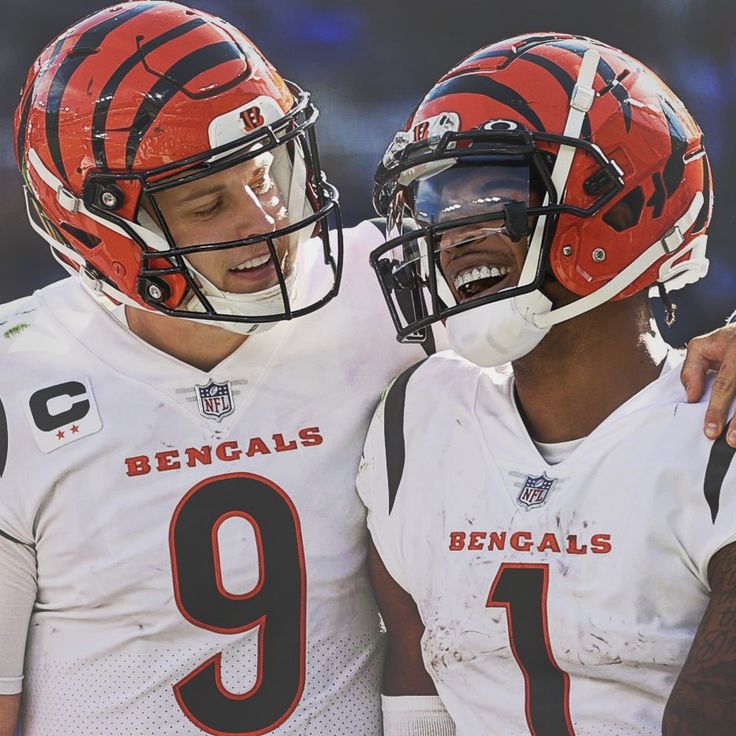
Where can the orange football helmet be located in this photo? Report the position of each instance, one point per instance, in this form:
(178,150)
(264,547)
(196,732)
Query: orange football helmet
(598,165)
(145,96)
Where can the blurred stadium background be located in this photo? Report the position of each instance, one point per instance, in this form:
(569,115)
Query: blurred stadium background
(368,63)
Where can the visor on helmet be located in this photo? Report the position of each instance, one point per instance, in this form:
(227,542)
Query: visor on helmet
(454,204)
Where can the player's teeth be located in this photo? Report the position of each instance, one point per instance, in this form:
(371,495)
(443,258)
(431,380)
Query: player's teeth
(253,262)
(480,272)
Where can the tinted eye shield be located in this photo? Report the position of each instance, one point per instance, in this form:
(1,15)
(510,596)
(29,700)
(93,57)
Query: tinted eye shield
(492,188)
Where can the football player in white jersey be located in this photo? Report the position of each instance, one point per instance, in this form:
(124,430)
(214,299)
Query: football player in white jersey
(180,539)
(178,530)
(553,545)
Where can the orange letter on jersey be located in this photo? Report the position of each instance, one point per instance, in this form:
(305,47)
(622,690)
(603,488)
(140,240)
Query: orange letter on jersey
(199,455)
(228,451)
(477,540)
(256,446)
(167,460)
(572,545)
(518,544)
(281,445)
(600,544)
(497,540)
(457,541)
(138,465)
(549,541)
(310,437)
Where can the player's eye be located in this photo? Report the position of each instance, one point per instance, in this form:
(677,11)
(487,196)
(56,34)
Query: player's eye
(210,210)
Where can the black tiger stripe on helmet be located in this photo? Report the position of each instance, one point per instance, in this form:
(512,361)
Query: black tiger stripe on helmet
(564,79)
(105,98)
(608,75)
(490,88)
(174,80)
(85,46)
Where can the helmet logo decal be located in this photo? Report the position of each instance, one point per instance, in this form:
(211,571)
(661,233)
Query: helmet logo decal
(501,125)
(421,131)
(252,118)
(215,400)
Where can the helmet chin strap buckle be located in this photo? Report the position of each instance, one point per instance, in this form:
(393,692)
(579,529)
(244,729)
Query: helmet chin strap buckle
(670,308)
(90,280)
(582,98)
(67,200)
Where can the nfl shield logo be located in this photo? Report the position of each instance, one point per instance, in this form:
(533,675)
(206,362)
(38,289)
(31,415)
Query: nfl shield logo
(215,400)
(535,490)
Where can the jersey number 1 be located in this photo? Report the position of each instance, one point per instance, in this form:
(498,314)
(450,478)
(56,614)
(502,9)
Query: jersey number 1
(522,590)
(276,604)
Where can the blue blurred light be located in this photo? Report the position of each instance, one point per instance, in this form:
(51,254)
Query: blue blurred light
(334,27)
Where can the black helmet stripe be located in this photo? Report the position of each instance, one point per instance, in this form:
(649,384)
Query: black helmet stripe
(566,82)
(607,74)
(87,44)
(175,80)
(472,84)
(674,169)
(23,121)
(513,52)
(104,100)
(700,220)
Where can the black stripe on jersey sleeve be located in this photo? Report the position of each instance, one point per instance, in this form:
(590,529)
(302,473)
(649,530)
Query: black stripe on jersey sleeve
(721,455)
(393,432)
(13,539)
(3,439)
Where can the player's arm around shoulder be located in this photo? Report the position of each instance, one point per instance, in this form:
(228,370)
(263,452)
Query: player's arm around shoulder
(404,672)
(703,700)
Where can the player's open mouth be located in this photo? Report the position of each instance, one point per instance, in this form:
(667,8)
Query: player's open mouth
(253,263)
(254,273)
(480,271)
(470,282)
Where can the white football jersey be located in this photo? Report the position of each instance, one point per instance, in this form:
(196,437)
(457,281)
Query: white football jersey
(200,546)
(557,599)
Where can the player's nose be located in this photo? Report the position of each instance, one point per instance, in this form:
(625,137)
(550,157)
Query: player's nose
(251,218)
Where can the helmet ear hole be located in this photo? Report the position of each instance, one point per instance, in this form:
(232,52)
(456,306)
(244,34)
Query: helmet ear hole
(81,236)
(626,213)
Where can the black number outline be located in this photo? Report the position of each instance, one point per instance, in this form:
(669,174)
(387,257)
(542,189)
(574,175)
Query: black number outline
(540,720)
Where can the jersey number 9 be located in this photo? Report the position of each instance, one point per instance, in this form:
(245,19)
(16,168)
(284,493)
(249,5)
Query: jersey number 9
(276,605)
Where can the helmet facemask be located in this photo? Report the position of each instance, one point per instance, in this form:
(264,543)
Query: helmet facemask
(305,204)
(468,186)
